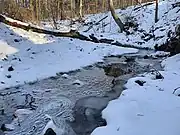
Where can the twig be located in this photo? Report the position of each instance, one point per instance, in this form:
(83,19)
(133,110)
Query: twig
(175,90)
(95,24)
(142,6)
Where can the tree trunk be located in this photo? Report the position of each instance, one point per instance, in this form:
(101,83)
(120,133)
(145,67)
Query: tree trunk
(156,12)
(71,33)
(37,10)
(1,6)
(72,8)
(27,27)
(62,9)
(115,16)
(97,6)
(32,8)
(58,9)
(80,9)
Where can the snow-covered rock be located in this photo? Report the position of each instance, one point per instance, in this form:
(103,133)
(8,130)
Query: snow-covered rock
(7,127)
(78,83)
(58,129)
(159,54)
(65,76)
(21,114)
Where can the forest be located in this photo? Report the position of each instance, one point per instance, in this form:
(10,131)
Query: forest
(38,10)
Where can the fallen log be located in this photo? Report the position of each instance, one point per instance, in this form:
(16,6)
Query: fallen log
(28,27)
(71,33)
(142,5)
(90,27)
(177,4)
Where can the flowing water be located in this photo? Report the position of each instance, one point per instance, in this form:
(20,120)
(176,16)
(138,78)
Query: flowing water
(74,102)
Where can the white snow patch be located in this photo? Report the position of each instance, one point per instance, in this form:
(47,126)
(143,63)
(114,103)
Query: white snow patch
(65,76)
(20,112)
(20,116)
(151,109)
(168,18)
(58,129)
(9,127)
(159,54)
(6,49)
(78,83)
(52,126)
(172,63)
(37,56)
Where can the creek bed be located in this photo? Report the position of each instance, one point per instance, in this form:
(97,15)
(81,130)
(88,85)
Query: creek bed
(74,100)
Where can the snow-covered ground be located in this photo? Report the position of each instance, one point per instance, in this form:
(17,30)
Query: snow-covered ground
(168,18)
(27,56)
(151,109)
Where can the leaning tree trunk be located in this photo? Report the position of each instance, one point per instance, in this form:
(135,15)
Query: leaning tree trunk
(71,33)
(156,12)
(28,27)
(115,16)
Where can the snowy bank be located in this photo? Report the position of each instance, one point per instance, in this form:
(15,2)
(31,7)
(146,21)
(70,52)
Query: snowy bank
(151,109)
(148,33)
(28,56)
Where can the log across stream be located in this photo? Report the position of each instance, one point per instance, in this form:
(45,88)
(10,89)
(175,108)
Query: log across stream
(70,34)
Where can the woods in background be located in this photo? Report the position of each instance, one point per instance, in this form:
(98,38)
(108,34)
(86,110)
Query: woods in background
(38,10)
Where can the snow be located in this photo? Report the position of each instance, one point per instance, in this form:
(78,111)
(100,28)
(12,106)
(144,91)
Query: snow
(65,76)
(78,83)
(172,63)
(16,21)
(9,127)
(57,126)
(46,26)
(21,112)
(51,125)
(5,49)
(20,115)
(168,18)
(37,56)
(151,109)
(159,54)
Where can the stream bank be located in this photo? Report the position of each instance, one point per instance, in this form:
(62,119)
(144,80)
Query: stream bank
(75,98)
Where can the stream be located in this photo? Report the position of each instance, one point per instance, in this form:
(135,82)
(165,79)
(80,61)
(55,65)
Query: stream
(74,100)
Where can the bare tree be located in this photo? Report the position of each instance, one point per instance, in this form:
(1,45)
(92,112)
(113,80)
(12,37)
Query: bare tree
(72,8)
(1,6)
(156,12)
(115,16)
(38,10)
(80,9)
